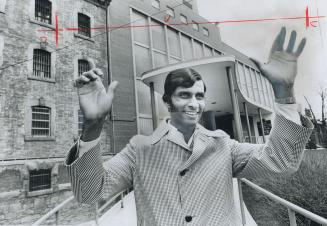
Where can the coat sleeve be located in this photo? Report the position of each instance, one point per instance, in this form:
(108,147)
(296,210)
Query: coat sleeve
(91,179)
(281,154)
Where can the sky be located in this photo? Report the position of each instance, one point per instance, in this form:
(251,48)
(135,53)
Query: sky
(254,39)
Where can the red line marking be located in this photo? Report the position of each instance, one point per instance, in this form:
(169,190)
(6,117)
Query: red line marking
(57,31)
(307,17)
(167,18)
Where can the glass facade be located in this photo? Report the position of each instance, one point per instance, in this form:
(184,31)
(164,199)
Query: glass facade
(158,45)
(254,86)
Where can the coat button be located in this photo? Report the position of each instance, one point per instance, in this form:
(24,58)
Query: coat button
(182,173)
(188,218)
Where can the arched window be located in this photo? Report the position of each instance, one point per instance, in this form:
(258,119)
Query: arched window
(41,63)
(84,25)
(41,121)
(43,10)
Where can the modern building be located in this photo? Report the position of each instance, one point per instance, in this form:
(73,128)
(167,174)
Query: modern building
(46,44)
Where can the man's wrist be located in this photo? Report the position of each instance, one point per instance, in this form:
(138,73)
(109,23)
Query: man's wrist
(91,130)
(286,100)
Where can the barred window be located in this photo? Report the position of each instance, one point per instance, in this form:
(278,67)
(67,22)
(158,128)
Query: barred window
(43,11)
(41,63)
(80,122)
(83,66)
(41,121)
(40,179)
(84,25)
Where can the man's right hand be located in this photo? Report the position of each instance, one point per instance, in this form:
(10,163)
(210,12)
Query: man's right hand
(95,102)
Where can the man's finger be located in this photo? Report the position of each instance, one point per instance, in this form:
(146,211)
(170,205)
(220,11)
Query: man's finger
(98,72)
(291,43)
(90,75)
(279,42)
(112,87)
(91,63)
(301,47)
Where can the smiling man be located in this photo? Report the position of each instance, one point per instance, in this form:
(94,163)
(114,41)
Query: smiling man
(182,173)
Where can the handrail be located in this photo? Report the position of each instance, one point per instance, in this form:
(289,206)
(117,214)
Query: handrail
(56,209)
(53,211)
(290,206)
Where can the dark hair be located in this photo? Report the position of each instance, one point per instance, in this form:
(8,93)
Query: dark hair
(180,77)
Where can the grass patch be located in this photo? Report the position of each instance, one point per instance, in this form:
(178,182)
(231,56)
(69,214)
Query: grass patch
(306,188)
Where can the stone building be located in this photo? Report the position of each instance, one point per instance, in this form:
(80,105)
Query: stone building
(46,44)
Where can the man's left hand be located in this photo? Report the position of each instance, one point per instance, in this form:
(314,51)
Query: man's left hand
(281,68)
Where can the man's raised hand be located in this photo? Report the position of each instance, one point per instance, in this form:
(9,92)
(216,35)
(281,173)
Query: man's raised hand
(281,68)
(95,102)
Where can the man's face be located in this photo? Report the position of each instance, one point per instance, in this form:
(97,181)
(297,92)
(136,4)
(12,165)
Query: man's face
(187,105)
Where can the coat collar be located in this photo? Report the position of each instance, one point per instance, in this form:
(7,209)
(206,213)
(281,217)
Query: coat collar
(164,128)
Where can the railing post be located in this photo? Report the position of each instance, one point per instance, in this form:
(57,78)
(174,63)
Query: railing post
(239,183)
(96,217)
(291,216)
(122,200)
(57,217)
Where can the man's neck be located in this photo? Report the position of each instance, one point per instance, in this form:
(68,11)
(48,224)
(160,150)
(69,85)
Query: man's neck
(187,131)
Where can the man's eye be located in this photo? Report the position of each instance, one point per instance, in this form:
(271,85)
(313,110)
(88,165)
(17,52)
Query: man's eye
(184,95)
(200,96)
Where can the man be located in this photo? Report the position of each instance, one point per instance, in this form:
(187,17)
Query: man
(182,173)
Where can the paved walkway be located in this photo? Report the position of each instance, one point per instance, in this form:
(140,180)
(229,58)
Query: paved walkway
(126,216)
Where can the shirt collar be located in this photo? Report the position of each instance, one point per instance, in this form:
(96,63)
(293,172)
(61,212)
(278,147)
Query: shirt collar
(164,128)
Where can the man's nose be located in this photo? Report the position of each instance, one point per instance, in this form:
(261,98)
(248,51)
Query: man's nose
(193,103)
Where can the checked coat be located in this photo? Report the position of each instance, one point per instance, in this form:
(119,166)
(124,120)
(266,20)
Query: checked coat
(176,184)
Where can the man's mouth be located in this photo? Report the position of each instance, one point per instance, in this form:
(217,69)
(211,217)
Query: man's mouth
(191,113)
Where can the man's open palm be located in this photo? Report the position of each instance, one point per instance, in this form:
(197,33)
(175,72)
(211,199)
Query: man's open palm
(281,68)
(94,101)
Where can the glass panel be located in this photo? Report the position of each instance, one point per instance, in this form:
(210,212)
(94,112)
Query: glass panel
(41,63)
(159,59)
(142,59)
(156,4)
(141,33)
(144,98)
(198,49)
(170,11)
(43,9)
(207,51)
(158,36)
(187,48)
(205,31)
(183,19)
(84,25)
(249,82)
(83,66)
(195,25)
(174,43)
(40,179)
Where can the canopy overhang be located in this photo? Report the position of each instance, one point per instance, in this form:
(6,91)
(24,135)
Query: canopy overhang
(214,74)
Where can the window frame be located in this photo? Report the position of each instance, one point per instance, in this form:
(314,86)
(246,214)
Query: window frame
(155,4)
(206,31)
(44,63)
(182,16)
(170,11)
(39,113)
(3,6)
(195,26)
(87,25)
(43,172)
(42,18)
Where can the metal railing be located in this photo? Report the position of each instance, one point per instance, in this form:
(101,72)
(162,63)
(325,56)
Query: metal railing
(292,208)
(55,210)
